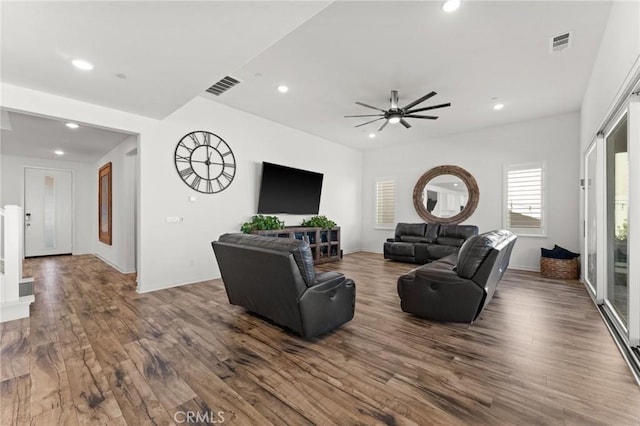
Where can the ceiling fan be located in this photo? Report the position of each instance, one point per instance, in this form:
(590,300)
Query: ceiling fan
(397,115)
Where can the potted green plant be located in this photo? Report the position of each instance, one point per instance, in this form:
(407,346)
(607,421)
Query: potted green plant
(260,222)
(319,222)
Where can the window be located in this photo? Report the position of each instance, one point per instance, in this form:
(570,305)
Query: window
(524,196)
(385,193)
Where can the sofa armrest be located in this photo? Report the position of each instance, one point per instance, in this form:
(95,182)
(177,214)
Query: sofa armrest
(391,240)
(328,304)
(440,294)
(327,280)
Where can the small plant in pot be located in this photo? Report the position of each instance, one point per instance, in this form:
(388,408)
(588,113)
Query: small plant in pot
(260,222)
(319,222)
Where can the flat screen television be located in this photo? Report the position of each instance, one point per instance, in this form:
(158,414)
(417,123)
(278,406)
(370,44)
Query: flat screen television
(288,190)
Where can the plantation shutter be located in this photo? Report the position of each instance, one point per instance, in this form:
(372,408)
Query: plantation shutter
(385,202)
(525,207)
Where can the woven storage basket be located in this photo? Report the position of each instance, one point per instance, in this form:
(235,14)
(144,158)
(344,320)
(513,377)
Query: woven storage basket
(559,269)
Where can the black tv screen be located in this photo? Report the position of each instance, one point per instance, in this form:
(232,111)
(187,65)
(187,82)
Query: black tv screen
(288,190)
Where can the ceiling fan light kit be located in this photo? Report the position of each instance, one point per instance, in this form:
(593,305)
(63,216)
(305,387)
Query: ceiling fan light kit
(396,114)
(394,118)
(450,5)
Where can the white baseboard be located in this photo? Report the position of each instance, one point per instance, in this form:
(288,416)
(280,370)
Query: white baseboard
(18,309)
(174,284)
(113,265)
(350,251)
(525,268)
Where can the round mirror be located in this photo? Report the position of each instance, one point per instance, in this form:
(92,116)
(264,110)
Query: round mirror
(446,194)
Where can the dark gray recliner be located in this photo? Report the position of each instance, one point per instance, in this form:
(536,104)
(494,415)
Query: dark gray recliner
(457,288)
(275,278)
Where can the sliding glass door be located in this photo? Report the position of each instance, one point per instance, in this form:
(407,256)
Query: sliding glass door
(611,249)
(591,219)
(617,165)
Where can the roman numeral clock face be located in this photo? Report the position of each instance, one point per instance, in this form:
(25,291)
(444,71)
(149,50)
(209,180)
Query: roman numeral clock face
(205,162)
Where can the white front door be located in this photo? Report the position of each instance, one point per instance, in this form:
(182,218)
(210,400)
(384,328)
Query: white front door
(47,210)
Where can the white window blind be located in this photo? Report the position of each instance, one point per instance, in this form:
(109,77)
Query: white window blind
(524,211)
(385,193)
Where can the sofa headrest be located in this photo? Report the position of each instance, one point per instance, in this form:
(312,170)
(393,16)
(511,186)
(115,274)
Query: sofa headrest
(299,249)
(448,241)
(416,229)
(475,250)
(458,231)
(432,232)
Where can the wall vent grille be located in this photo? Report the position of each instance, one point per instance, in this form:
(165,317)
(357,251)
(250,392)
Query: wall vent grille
(223,85)
(560,42)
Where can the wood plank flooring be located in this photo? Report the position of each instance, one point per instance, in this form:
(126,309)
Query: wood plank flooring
(96,352)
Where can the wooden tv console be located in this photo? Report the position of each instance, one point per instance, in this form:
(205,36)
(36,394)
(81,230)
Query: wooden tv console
(324,243)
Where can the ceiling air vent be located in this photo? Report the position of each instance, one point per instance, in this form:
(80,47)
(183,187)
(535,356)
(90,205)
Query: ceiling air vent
(560,42)
(223,85)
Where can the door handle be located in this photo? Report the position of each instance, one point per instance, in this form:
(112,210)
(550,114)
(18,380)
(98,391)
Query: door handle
(27,224)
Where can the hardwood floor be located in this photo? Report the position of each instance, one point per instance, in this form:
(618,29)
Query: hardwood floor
(96,352)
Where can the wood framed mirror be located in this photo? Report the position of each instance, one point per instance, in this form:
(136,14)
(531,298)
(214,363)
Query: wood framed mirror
(446,194)
(104,204)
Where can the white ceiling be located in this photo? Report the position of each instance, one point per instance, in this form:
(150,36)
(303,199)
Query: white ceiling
(359,51)
(329,54)
(170,51)
(31,136)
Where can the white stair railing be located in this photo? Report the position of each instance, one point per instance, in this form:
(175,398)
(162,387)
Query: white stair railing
(12,306)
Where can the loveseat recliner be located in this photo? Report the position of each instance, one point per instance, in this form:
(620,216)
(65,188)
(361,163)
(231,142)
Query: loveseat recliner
(426,242)
(275,278)
(457,288)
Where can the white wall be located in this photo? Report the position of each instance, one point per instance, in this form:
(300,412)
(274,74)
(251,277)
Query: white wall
(484,153)
(120,254)
(619,52)
(179,253)
(85,193)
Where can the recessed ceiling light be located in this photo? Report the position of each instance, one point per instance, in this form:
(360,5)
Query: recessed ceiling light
(58,152)
(283,89)
(82,64)
(498,107)
(450,5)
(372,135)
(71,125)
(455,184)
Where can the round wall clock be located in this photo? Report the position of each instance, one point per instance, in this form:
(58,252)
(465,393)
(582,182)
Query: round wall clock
(205,162)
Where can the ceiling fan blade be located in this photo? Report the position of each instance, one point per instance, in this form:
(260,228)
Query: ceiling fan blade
(394,99)
(369,115)
(418,101)
(448,104)
(369,106)
(383,126)
(404,123)
(429,117)
(359,125)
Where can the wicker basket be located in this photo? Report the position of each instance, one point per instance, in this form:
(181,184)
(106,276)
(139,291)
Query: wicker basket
(559,269)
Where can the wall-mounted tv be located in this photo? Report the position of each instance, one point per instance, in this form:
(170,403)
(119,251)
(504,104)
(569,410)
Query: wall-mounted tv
(288,190)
